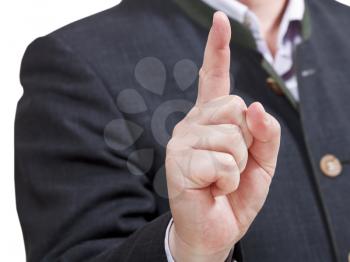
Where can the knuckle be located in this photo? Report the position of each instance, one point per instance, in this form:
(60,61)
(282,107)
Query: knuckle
(232,141)
(227,108)
(231,171)
(234,137)
(238,102)
(230,104)
(178,128)
(237,147)
(229,129)
(242,163)
(172,146)
(235,181)
(234,109)
(202,73)
(228,163)
(234,129)
(237,134)
(211,174)
(194,115)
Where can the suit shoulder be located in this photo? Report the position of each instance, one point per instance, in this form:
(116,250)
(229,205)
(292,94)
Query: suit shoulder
(128,21)
(94,26)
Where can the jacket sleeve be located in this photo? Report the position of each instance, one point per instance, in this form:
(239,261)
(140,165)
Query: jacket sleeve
(75,198)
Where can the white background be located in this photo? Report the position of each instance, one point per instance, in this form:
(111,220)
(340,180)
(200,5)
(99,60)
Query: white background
(21,21)
(345,2)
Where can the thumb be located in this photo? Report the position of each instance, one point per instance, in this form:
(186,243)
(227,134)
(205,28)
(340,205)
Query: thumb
(267,133)
(214,76)
(255,180)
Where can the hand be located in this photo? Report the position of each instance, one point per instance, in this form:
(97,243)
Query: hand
(219,161)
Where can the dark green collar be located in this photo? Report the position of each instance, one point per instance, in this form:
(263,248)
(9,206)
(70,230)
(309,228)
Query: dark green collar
(202,14)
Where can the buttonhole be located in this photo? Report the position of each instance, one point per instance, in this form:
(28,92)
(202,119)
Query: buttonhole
(308,72)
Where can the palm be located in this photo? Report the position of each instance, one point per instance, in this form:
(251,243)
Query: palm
(222,221)
(210,223)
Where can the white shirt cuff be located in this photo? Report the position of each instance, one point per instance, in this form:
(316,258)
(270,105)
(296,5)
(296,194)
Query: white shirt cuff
(166,243)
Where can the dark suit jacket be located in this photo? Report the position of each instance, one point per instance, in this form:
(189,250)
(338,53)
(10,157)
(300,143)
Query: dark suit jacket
(101,97)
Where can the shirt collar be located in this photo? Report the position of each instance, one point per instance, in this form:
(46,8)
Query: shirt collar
(234,9)
(295,10)
(241,13)
(202,11)
(293,13)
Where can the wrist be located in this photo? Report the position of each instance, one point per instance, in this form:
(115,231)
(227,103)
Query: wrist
(181,251)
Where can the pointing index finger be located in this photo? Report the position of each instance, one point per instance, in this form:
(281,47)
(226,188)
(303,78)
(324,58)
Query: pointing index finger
(214,80)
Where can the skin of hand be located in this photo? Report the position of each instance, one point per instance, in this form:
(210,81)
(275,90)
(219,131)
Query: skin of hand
(219,162)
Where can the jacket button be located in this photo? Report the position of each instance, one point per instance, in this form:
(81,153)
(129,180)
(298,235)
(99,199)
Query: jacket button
(330,166)
(274,86)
